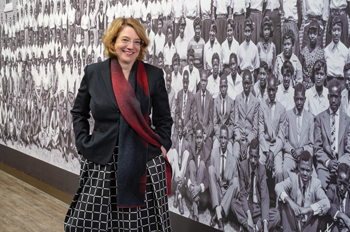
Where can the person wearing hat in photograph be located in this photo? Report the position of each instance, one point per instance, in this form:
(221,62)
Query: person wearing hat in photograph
(311,52)
(336,53)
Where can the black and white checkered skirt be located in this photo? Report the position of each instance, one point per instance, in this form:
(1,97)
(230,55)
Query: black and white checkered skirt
(94,205)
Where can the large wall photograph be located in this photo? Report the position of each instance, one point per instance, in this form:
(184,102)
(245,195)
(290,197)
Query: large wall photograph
(258,92)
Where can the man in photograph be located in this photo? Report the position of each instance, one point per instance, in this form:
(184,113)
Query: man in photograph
(198,177)
(272,117)
(299,132)
(204,108)
(302,198)
(331,137)
(223,114)
(338,195)
(223,179)
(255,213)
(246,111)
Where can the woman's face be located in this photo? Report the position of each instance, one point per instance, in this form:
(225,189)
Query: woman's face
(247,33)
(127,46)
(287,47)
(320,76)
(267,32)
(313,35)
(336,33)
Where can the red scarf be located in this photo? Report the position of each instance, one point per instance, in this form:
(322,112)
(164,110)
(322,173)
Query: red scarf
(130,109)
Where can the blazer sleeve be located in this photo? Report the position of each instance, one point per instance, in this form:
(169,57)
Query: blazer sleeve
(80,112)
(254,132)
(161,116)
(287,146)
(263,144)
(309,146)
(331,194)
(281,130)
(320,153)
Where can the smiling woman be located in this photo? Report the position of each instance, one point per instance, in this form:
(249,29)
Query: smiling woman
(122,150)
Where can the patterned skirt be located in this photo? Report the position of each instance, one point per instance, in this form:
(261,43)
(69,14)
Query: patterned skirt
(94,205)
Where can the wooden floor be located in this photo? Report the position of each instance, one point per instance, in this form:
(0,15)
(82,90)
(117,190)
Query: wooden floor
(25,208)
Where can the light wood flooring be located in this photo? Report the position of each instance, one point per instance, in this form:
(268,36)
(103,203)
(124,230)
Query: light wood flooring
(25,208)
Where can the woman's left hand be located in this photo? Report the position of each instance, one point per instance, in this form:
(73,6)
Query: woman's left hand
(163,150)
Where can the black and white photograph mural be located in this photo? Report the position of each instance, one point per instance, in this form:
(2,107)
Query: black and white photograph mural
(258,91)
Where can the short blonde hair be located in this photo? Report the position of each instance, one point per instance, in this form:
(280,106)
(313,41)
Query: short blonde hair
(112,33)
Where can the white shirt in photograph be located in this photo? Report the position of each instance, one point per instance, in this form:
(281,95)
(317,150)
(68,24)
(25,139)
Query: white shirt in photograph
(315,103)
(221,6)
(286,97)
(181,46)
(336,55)
(159,41)
(176,82)
(209,50)
(227,50)
(234,89)
(290,9)
(194,78)
(168,53)
(248,56)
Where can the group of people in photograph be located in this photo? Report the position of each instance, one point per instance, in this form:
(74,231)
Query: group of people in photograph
(258,92)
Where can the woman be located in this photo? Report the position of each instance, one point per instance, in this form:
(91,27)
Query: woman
(311,53)
(266,48)
(122,150)
(336,53)
(317,95)
(248,55)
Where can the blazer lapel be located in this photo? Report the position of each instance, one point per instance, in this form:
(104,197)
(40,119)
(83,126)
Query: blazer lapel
(251,103)
(106,77)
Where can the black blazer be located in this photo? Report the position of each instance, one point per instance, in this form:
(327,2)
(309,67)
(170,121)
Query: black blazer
(96,95)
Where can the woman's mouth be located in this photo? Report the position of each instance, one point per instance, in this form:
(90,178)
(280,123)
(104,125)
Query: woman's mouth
(128,53)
